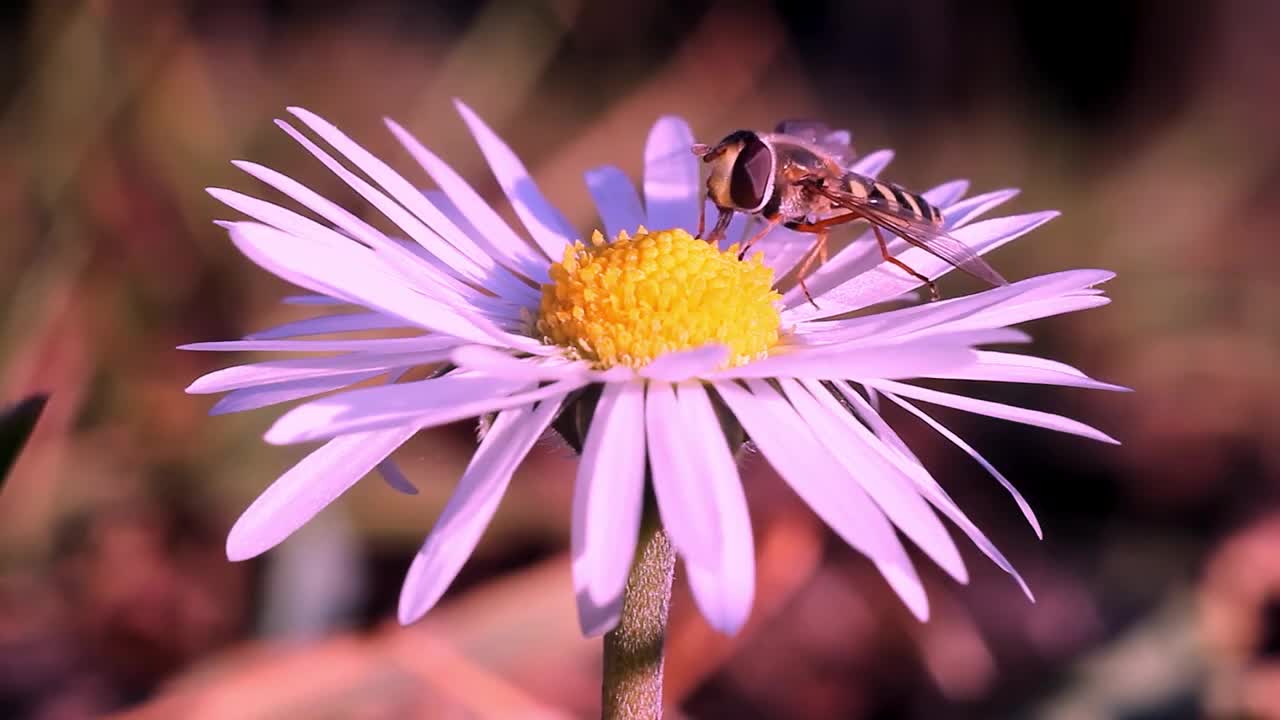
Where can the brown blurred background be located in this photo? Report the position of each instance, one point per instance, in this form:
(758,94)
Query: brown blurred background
(1152,126)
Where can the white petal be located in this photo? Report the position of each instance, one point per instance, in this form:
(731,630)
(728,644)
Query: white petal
(431,343)
(306,488)
(723,594)
(400,194)
(685,364)
(275,371)
(395,477)
(353,273)
(686,501)
(939,498)
(873,163)
(884,281)
(994,409)
(425,403)
(252,398)
(608,498)
(965,211)
(853,446)
(471,508)
(819,479)
(671,191)
(906,360)
(310,299)
(545,224)
(325,324)
(1010,367)
(493,234)
(946,194)
(497,364)
(1022,503)
(616,200)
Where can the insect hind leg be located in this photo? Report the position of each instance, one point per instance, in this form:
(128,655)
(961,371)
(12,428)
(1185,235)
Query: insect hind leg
(884,253)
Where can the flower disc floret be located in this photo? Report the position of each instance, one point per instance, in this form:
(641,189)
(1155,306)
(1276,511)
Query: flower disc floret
(632,300)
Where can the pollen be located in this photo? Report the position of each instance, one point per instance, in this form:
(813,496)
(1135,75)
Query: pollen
(632,300)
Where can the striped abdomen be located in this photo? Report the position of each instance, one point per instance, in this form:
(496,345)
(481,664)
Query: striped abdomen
(892,198)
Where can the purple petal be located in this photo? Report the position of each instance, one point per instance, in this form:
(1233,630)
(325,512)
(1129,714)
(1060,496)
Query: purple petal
(472,506)
(819,479)
(431,343)
(671,190)
(994,409)
(395,477)
(851,445)
(608,497)
(354,273)
(425,403)
(685,364)
(497,364)
(907,360)
(275,371)
(873,163)
(1022,503)
(252,398)
(616,200)
(723,594)
(308,487)
(325,324)
(1009,367)
(686,501)
(493,234)
(965,211)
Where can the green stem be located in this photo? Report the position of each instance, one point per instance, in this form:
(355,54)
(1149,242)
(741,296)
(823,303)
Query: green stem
(633,650)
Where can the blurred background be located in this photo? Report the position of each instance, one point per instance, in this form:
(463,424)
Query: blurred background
(1152,126)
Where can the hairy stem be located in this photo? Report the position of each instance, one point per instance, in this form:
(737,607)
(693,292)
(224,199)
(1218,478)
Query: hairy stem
(633,650)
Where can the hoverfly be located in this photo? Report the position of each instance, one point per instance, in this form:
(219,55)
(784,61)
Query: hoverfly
(798,176)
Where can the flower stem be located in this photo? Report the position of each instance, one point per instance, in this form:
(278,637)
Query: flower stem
(633,650)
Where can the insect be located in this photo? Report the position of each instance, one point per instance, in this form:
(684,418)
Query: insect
(798,176)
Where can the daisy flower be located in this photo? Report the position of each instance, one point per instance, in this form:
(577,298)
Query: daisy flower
(661,349)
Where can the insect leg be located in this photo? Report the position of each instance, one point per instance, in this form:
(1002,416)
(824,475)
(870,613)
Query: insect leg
(768,227)
(722,224)
(884,252)
(702,218)
(819,248)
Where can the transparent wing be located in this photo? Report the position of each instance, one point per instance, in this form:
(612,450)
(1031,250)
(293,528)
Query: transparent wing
(836,143)
(921,233)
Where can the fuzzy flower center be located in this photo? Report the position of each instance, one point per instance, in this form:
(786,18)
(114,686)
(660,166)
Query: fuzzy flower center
(630,301)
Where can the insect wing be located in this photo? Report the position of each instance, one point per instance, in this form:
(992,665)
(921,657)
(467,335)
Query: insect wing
(918,232)
(836,143)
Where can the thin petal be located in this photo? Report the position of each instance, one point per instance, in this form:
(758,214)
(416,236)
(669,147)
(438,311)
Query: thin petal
(884,281)
(685,364)
(686,502)
(276,371)
(425,403)
(428,344)
(819,479)
(671,192)
(965,211)
(994,409)
(608,498)
(308,487)
(325,324)
(395,477)
(852,445)
(472,506)
(492,232)
(252,398)
(353,273)
(545,224)
(723,594)
(946,194)
(616,200)
(906,360)
(497,364)
(1022,503)
(873,163)
(1010,367)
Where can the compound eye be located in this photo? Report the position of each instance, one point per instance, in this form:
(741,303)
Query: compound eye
(752,175)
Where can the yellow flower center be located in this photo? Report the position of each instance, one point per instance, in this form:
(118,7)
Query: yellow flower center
(635,299)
